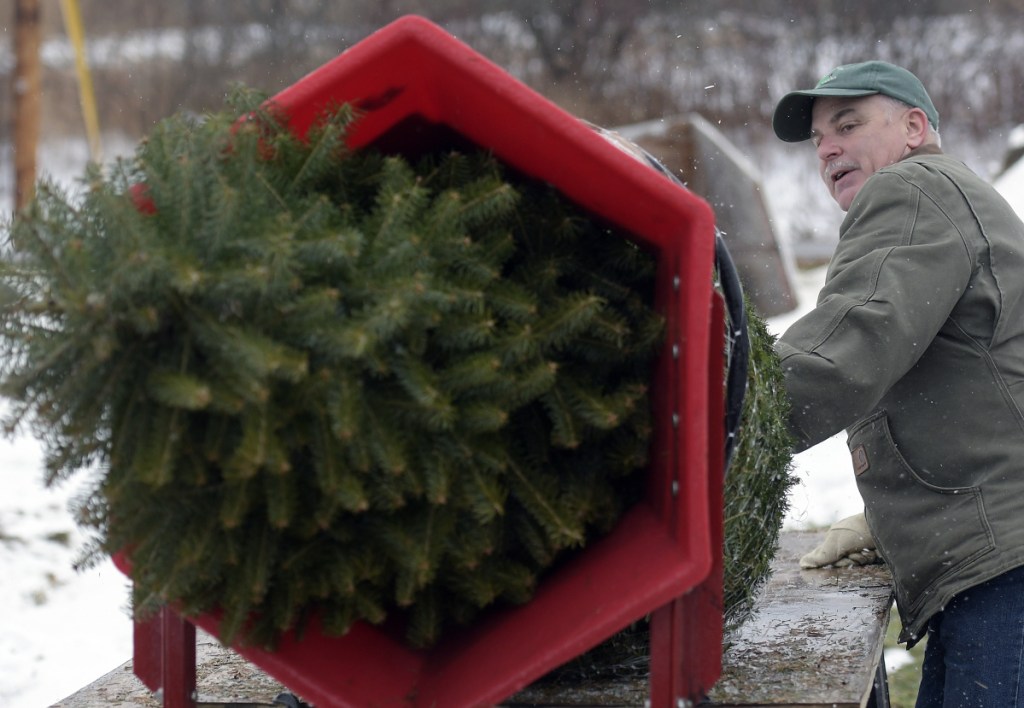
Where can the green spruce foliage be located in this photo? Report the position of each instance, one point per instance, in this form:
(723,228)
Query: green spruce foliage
(324,381)
(759,476)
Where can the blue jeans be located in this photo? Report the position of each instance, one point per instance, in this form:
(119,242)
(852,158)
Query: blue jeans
(975,652)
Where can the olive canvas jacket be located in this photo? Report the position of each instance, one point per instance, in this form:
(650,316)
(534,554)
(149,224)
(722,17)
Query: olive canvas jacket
(916,347)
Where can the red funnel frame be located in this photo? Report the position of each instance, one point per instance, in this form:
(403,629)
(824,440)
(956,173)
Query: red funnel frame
(420,89)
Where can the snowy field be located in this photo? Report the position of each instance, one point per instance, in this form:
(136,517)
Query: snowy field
(61,629)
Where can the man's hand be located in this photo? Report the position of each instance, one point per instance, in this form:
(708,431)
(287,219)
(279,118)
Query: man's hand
(848,542)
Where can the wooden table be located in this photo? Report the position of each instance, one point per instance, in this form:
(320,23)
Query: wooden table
(815,639)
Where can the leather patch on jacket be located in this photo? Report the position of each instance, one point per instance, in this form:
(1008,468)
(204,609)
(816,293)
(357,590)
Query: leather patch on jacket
(860,460)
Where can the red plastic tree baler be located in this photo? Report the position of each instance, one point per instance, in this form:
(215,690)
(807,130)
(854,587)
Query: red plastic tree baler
(419,89)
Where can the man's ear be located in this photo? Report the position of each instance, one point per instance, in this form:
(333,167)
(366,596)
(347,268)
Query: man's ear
(916,124)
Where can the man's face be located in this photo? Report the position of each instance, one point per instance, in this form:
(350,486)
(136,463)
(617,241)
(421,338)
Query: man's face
(855,137)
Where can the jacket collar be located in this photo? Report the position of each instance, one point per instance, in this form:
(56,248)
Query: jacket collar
(929,149)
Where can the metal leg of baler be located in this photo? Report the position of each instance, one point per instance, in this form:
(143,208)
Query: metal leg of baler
(686,648)
(686,634)
(165,658)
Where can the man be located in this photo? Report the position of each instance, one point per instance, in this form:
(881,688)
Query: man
(916,347)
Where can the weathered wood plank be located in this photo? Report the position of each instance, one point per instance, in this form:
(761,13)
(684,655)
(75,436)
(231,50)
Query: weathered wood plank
(713,168)
(222,676)
(816,639)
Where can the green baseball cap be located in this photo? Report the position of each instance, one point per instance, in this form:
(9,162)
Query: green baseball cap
(792,119)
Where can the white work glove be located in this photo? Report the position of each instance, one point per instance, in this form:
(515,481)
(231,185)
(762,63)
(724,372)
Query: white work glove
(848,542)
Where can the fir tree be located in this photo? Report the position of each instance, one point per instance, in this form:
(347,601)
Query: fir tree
(323,380)
(759,476)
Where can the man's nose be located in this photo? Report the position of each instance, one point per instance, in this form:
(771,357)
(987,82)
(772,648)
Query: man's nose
(828,148)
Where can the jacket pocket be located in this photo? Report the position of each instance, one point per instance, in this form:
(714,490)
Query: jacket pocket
(926,533)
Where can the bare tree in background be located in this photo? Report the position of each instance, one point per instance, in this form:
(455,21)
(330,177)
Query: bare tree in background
(26,92)
(574,42)
(612,61)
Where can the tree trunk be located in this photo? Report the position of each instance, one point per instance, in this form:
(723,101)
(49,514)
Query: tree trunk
(26,90)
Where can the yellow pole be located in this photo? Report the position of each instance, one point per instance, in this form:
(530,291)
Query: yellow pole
(73,24)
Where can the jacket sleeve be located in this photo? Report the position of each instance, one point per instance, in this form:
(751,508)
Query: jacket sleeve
(900,267)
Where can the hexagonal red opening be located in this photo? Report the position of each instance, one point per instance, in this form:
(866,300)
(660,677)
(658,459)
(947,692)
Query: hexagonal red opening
(420,89)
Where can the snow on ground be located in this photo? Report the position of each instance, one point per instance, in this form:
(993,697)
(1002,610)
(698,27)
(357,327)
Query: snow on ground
(60,629)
